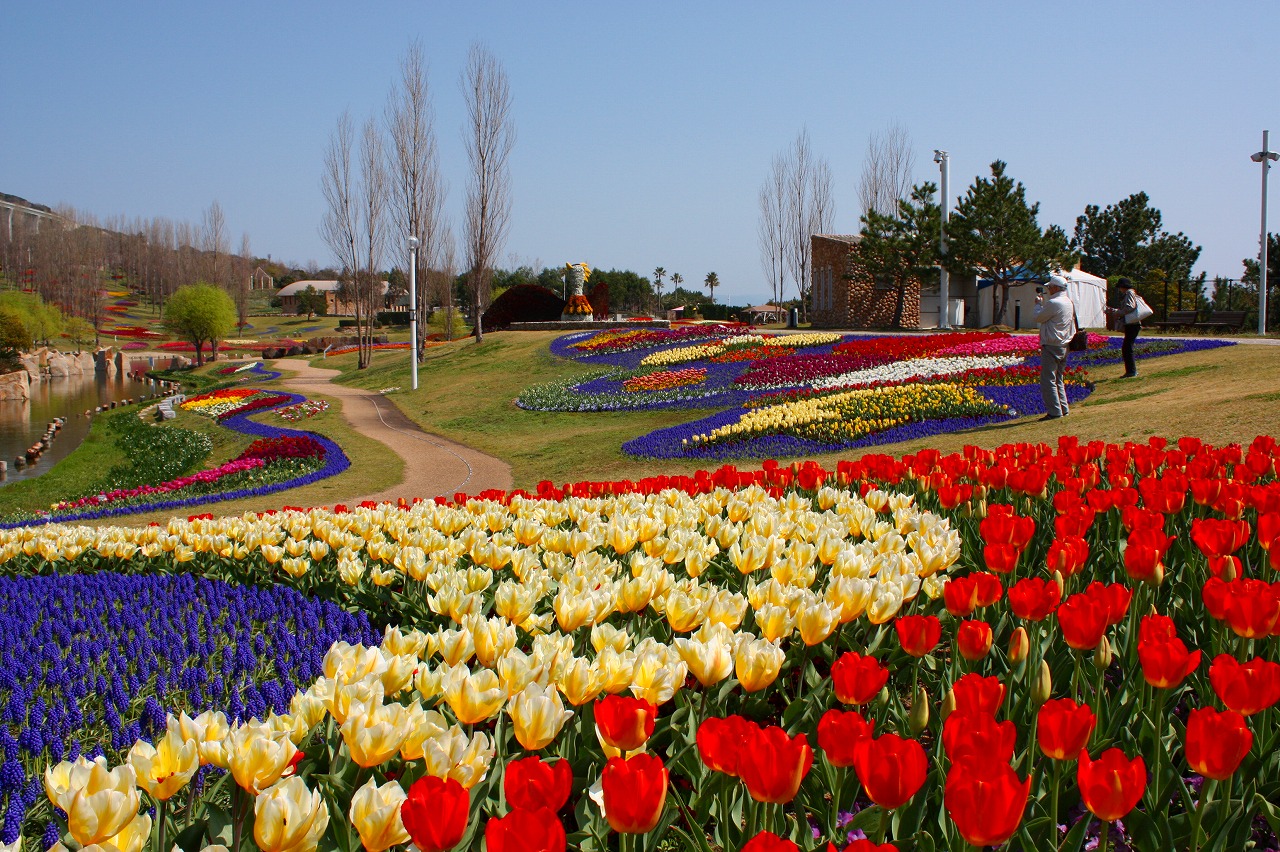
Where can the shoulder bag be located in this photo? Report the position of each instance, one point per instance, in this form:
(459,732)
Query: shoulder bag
(1080,340)
(1138,314)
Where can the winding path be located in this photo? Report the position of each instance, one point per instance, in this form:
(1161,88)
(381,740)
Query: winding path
(433,466)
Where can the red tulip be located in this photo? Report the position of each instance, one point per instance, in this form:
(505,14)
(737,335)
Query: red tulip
(1067,555)
(838,732)
(1002,526)
(1063,728)
(1156,628)
(891,769)
(973,638)
(1082,620)
(1219,537)
(1001,558)
(1216,742)
(1268,529)
(1114,597)
(1246,688)
(986,804)
(977,694)
(1033,599)
(918,634)
(862,844)
(977,738)
(624,722)
(531,783)
(960,594)
(1226,567)
(721,742)
(524,830)
(435,812)
(1214,593)
(774,764)
(635,791)
(1252,608)
(1165,665)
(1144,553)
(988,586)
(767,841)
(857,679)
(1111,785)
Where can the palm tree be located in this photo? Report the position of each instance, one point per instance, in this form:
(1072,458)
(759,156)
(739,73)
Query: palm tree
(711,282)
(658,272)
(676,279)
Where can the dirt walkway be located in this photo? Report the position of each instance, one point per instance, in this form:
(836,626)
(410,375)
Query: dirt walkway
(433,466)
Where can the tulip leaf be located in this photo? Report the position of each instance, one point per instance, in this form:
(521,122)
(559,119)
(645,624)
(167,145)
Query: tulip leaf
(1074,840)
(1146,834)
(923,842)
(191,838)
(1270,812)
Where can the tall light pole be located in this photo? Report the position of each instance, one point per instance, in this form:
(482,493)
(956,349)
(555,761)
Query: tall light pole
(944,279)
(413,310)
(1266,157)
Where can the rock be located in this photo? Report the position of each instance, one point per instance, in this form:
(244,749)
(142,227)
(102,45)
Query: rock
(15,385)
(59,365)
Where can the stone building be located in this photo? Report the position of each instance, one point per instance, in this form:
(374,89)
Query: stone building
(336,306)
(845,295)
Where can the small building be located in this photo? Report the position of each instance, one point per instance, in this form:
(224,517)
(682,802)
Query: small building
(845,295)
(334,305)
(763,314)
(260,280)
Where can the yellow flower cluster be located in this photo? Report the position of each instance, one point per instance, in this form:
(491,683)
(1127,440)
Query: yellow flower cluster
(842,417)
(805,338)
(681,354)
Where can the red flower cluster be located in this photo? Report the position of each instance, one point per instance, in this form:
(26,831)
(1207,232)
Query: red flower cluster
(283,447)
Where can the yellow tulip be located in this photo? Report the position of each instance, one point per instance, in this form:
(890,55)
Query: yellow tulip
(817,622)
(456,646)
(421,725)
(885,602)
(473,697)
(615,669)
(537,715)
(573,609)
(410,643)
(375,812)
(63,780)
(580,681)
(684,611)
(106,802)
(727,608)
(472,764)
(350,570)
(775,622)
(513,601)
(347,663)
(289,818)
(375,734)
(258,756)
(492,638)
(165,768)
(656,678)
(603,635)
(757,662)
(710,660)
(399,673)
(132,838)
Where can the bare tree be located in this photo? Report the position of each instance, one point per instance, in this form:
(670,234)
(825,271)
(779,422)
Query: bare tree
(887,171)
(809,210)
(489,136)
(773,228)
(418,189)
(214,243)
(373,235)
(243,281)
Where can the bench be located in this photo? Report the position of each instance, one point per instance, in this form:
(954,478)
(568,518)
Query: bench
(1223,321)
(1177,319)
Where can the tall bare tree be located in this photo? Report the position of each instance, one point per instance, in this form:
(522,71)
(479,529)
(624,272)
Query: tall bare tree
(887,171)
(810,209)
(773,228)
(489,136)
(215,245)
(242,282)
(417,187)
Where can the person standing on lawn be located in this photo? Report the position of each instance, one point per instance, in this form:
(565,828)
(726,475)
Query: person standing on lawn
(1055,314)
(1128,304)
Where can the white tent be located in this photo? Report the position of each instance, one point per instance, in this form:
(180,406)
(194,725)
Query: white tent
(1089,293)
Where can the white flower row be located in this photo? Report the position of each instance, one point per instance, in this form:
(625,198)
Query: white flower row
(918,368)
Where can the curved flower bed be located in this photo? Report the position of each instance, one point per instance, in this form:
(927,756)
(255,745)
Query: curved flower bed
(754,372)
(665,380)
(335,462)
(1056,647)
(304,410)
(91,663)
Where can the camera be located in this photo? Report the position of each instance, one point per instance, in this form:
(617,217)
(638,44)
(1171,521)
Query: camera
(1039,289)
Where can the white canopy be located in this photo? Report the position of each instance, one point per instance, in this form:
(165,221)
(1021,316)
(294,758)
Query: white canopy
(1089,293)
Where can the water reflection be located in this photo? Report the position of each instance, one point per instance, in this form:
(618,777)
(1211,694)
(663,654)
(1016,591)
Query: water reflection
(23,422)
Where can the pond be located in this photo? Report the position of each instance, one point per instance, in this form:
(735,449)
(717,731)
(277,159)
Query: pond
(23,422)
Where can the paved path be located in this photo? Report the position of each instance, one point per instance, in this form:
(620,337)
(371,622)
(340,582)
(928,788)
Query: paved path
(433,466)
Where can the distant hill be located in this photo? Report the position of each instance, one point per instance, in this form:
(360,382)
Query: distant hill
(14,199)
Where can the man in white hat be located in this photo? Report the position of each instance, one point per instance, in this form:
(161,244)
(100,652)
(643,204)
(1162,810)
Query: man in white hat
(1055,314)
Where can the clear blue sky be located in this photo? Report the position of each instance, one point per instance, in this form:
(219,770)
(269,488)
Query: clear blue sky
(646,129)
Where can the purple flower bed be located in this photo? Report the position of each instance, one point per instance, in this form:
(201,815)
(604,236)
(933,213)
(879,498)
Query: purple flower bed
(335,462)
(89,663)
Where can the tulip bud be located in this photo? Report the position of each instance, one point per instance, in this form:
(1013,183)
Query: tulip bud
(883,698)
(948,705)
(1157,575)
(966,509)
(1043,687)
(980,493)
(1061,583)
(1102,654)
(980,508)
(1019,645)
(1228,570)
(1026,506)
(919,718)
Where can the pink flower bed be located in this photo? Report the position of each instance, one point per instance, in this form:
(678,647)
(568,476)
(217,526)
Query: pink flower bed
(240,465)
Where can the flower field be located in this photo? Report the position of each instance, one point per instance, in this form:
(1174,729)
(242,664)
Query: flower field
(772,392)
(1040,646)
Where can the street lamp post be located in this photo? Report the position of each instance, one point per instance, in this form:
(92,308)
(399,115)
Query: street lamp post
(1266,157)
(944,279)
(413,311)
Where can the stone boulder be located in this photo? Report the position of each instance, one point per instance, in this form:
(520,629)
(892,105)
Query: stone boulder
(15,385)
(60,365)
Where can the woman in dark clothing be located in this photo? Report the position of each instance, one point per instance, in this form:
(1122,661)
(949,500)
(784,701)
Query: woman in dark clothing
(1128,304)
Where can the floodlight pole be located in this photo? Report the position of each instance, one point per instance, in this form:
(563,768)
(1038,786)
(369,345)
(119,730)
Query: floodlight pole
(1266,157)
(413,311)
(944,279)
